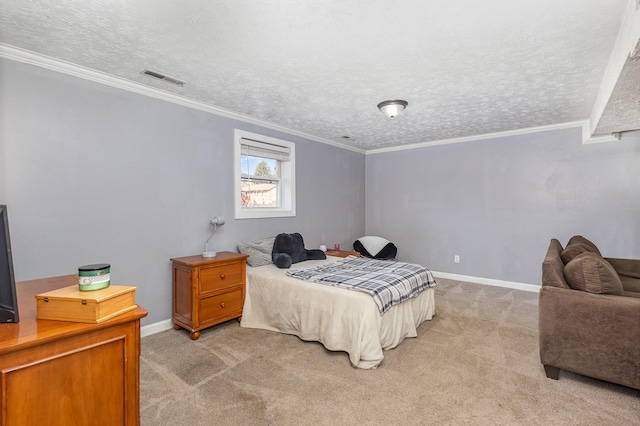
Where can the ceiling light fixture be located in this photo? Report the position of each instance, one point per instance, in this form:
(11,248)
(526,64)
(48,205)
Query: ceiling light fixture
(392,108)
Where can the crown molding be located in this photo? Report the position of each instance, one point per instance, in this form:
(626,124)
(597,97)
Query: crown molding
(56,65)
(615,137)
(583,124)
(24,56)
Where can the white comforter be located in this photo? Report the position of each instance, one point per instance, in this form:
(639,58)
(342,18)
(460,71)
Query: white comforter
(342,320)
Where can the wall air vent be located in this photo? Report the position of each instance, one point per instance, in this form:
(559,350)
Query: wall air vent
(161,76)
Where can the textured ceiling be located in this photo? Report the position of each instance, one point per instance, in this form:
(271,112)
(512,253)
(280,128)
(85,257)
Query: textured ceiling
(466,67)
(623,109)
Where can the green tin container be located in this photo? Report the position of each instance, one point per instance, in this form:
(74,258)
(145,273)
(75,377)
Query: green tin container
(94,277)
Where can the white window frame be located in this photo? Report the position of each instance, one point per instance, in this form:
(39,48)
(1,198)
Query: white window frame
(287,177)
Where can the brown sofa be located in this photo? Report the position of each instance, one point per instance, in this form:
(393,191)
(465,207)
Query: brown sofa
(589,313)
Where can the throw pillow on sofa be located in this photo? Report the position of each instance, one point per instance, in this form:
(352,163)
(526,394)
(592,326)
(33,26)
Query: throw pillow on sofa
(591,273)
(572,250)
(579,239)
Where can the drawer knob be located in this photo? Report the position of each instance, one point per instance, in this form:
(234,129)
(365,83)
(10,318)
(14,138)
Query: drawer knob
(222,276)
(222,305)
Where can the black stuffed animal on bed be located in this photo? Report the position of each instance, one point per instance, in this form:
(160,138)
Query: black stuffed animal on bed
(289,249)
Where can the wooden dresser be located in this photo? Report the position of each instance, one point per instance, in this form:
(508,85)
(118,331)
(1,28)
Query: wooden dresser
(69,373)
(207,290)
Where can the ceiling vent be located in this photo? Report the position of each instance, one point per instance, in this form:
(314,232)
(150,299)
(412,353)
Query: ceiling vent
(161,76)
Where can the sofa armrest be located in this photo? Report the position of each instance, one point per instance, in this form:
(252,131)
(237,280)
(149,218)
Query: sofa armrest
(628,267)
(591,334)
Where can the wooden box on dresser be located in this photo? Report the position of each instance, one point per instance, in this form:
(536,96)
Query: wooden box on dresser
(65,372)
(207,290)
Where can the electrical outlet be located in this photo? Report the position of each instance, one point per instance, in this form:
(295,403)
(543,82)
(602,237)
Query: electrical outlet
(456,258)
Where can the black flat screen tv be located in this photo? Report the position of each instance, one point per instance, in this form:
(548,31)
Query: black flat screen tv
(8,297)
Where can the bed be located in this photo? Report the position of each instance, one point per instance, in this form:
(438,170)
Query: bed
(340,319)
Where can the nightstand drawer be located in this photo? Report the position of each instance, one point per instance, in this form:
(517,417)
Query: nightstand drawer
(214,307)
(220,277)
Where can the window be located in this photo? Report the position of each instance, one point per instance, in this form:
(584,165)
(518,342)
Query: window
(264,176)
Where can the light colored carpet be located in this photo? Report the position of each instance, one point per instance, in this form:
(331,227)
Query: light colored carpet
(475,363)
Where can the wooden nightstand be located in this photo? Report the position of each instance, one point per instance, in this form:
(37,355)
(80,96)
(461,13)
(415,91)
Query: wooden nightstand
(341,253)
(207,291)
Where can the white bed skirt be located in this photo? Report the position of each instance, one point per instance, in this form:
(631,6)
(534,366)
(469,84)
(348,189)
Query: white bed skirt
(342,320)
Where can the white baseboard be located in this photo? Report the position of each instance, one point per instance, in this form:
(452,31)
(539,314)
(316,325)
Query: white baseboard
(488,281)
(156,327)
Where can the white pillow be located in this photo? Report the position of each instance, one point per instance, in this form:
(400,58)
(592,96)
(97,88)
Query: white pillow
(373,244)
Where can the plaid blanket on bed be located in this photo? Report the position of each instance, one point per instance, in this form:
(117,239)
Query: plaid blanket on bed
(388,282)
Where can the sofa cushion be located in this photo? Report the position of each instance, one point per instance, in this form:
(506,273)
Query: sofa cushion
(579,239)
(625,267)
(630,283)
(591,273)
(571,251)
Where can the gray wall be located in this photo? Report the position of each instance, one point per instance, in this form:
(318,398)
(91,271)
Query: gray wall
(95,174)
(497,203)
